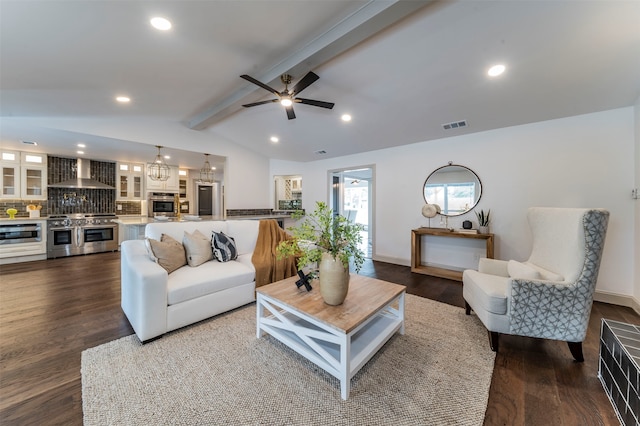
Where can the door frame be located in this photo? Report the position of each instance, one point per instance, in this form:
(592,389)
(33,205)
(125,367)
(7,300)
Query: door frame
(371,198)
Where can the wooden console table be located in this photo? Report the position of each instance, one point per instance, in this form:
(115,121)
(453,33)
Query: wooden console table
(416,251)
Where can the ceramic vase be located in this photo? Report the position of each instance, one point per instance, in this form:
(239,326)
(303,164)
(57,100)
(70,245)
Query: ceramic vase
(483,229)
(334,280)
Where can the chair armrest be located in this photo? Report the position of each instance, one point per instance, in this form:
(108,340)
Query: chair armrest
(548,309)
(493,267)
(143,290)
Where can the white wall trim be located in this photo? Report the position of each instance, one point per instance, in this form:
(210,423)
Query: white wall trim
(394,260)
(617,299)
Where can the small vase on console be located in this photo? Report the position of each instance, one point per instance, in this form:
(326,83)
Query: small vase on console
(483,229)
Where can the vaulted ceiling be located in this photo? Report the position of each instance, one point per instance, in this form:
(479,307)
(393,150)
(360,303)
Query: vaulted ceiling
(401,69)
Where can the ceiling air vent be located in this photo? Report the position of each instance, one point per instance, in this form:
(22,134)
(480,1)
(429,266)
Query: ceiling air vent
(455,125)
(29,143)
(320,152)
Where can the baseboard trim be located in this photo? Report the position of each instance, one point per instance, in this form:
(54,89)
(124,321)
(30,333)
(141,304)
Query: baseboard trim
(394,260)
(599,296)
(617,299)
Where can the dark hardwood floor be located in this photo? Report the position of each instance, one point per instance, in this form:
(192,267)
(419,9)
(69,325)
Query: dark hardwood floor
(50,311)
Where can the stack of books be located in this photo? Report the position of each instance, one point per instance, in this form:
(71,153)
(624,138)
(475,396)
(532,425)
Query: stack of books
(467,231)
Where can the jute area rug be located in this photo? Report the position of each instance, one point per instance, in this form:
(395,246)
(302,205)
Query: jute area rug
(217,373)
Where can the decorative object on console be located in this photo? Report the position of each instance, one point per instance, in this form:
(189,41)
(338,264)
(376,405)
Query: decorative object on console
(484,218)
(12,213)
(206,172)
(467,224)
(158,170)
(320,233)
(429,211)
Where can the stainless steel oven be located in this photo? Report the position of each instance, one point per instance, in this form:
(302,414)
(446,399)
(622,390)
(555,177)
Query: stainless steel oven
(161,204)
(70,235)
(20,233)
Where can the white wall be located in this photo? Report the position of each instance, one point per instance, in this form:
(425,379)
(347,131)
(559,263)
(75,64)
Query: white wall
(581,161)
(636,257)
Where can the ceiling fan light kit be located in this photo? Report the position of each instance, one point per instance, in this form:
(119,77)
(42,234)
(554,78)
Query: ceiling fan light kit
(288,97)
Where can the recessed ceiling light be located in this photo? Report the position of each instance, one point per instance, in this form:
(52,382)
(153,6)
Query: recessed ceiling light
(346,117)
(79,152)
(81,145)
(274,139)
(496,70)
(123,99)
(167,157)
(160,23)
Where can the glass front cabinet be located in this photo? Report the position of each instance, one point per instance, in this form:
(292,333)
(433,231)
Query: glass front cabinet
(130,178)
(24,175)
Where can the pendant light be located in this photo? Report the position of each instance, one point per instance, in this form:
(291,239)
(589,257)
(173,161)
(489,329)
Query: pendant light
(158,170)
(206,174)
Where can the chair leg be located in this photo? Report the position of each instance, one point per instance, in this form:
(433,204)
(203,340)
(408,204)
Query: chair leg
(576,351)
(493,340)
(467,308)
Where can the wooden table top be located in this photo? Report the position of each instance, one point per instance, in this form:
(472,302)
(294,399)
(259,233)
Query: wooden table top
(366,297)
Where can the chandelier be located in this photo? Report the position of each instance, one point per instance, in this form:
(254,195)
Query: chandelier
(158,170)
(206,173)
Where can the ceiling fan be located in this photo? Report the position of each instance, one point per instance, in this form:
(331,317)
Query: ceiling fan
(288,97)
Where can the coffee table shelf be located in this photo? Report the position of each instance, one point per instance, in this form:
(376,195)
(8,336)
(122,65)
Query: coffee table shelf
(342,353)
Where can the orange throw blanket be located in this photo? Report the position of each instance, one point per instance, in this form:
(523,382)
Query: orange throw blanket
(268,268)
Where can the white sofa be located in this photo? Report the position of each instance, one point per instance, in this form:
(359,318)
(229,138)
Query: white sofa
(156,302)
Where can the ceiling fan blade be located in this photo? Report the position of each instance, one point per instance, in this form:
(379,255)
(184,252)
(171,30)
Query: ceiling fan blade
(261,103)
(304,83)
(321,104)
(290,114)
(261,84)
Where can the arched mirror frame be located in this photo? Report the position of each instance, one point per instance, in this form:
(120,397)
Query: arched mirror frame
(477,198)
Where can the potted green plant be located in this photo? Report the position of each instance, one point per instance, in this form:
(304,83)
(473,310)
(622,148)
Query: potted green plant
(484,218)
(328,241)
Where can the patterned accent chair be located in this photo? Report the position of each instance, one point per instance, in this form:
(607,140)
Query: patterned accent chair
(550,295)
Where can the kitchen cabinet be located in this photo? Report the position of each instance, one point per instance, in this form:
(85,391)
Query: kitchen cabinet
(23,175)
(183,184)
(130,178)
(170,185)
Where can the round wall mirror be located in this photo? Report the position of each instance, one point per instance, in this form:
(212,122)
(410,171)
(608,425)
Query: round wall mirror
(456,189)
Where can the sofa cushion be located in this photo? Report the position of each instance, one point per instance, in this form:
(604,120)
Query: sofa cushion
(224,247)
(167,252)
(245,233)
(489,291)
(522,270)
(210,277)
(197,248)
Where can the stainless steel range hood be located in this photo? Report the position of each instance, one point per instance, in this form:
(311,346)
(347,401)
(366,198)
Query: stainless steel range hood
(84,180)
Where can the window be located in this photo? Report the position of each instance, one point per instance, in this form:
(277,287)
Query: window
(453,198)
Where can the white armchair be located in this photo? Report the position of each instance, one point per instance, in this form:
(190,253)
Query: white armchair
(550,295)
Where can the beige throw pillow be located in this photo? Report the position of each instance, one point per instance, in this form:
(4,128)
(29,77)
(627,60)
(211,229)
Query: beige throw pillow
(169,253)
(520,270)
(197,247)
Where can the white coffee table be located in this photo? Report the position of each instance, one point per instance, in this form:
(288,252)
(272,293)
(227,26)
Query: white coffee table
(339,339)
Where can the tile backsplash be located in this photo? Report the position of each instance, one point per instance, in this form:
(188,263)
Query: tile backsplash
(76,200)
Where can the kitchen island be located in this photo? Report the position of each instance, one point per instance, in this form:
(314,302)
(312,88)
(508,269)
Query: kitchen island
(132,227)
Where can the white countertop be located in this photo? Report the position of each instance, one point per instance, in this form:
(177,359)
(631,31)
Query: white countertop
(143,220)
(21,219)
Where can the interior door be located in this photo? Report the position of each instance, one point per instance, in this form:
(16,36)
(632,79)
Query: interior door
(205,200)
